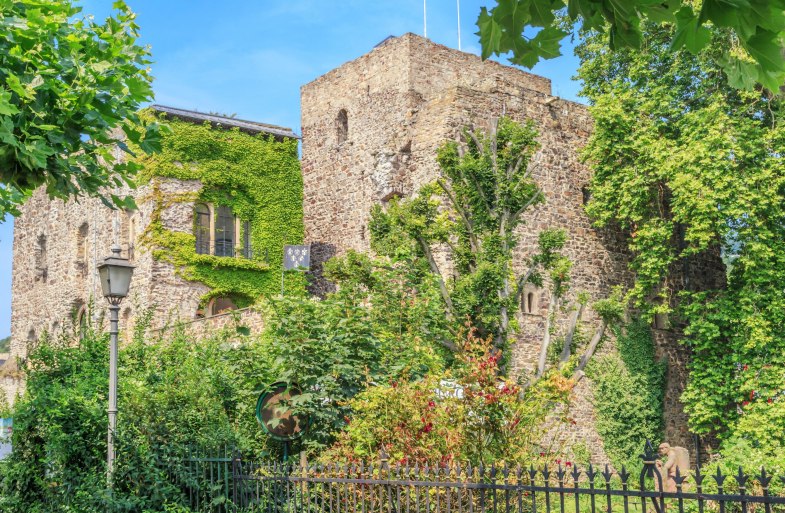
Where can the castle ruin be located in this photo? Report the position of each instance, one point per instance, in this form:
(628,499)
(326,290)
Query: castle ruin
(370,131)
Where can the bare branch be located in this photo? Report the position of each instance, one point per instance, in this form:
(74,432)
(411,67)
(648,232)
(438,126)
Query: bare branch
(450,310)
(529,203)
(546,337)
(595,341)
(574,320)
(463,213)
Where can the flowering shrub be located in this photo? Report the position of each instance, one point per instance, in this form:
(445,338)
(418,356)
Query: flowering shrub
(467,414)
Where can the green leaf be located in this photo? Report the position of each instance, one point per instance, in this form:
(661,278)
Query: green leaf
(548,42)
(689,33)
(6,107)
(490,33)
(765,48)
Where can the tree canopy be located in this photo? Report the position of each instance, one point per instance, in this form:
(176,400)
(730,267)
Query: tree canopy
(690,166)
(68,87)
(751,29)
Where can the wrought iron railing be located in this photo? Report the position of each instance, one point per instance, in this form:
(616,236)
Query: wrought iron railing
(235,484)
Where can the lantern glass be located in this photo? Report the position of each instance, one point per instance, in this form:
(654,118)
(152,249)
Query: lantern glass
(115,274)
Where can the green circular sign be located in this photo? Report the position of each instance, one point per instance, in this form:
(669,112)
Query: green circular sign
(277,419)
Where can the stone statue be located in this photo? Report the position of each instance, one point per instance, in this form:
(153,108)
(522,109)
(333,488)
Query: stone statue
(677,457)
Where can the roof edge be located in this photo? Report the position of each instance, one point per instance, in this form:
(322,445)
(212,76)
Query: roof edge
(253,127)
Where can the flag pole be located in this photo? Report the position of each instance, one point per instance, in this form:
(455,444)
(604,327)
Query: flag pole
(459,24)
(425,18)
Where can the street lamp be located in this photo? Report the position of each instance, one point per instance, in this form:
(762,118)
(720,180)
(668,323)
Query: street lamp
(115,274)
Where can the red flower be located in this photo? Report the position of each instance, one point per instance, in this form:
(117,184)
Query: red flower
(745,403)
(431,404)
(428,428)
(542,454)
(558,461)
(752,395)
(770,400)
(569,464)
(746,367)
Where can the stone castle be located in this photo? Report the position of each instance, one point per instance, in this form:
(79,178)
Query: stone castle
(370,130)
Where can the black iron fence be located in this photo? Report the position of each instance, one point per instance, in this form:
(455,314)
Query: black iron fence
(234,484)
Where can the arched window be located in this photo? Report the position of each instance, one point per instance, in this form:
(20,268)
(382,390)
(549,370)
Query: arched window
(220,305)
(224,232)
(81,322)
(202,228)
(31,335)
(529,301)
(82,248)
(342,126)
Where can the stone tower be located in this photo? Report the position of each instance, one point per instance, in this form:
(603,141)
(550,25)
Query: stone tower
(371,129)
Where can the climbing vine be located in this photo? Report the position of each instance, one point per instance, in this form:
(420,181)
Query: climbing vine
(257,176)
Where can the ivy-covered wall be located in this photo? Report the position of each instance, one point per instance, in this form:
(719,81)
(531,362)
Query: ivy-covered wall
(254,174)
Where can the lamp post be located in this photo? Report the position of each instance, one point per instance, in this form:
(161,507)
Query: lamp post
(115,274)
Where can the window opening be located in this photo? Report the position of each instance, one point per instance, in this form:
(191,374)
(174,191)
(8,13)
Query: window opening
(202,228)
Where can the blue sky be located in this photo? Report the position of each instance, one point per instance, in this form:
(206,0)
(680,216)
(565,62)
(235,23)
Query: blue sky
(250,57)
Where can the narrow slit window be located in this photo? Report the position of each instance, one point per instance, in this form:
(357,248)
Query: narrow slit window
(202,228)
(342,126)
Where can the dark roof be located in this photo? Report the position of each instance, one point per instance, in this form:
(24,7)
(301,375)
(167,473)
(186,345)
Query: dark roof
(223,121)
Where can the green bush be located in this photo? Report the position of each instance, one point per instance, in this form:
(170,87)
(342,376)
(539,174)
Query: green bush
(173,396)
(628,392)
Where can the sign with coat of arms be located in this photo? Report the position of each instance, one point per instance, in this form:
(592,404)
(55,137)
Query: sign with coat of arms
(296,258)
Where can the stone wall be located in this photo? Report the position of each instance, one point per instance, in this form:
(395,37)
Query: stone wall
(371,129)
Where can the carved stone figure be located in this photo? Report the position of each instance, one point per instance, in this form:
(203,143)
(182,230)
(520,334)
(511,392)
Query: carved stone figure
(676,458)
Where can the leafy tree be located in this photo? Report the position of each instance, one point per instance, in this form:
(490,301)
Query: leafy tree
(472,213)
(691,166)
(68,87)
(752,31)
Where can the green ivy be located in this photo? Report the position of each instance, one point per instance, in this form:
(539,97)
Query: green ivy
(628,387)
(258,177)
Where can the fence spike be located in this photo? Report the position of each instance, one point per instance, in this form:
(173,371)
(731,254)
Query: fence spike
(764,478)
(591,473)
(532,473)
(719,477)
(678,478)
(481,470)
(607,474)
(576,473)
(741,478)
(518,472)
(624,475)
(698,476)
(506,471)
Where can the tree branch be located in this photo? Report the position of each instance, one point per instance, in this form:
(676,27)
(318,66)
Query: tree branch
(595,341)
(546,337)
(464,215)
(574,320)
(435,270)
(529,203)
